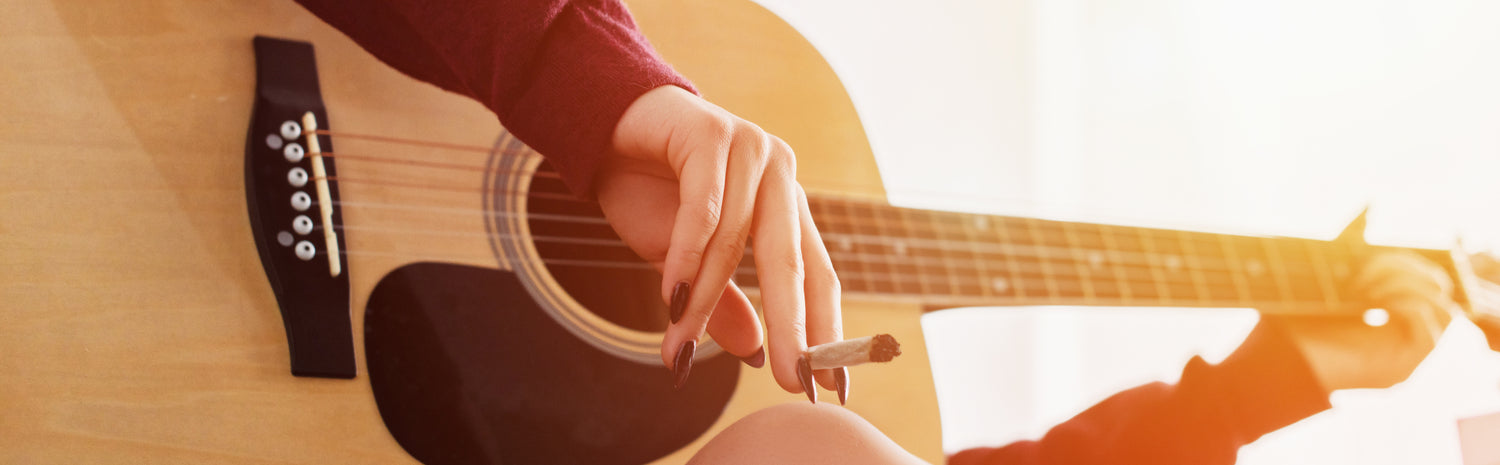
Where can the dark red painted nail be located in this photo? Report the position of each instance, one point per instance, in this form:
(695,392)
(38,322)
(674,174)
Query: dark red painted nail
(684,364)
(841,380)
(679,300)
(756,360)
(805,374)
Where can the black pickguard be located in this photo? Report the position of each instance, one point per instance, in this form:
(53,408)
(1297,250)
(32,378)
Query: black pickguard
(467,369)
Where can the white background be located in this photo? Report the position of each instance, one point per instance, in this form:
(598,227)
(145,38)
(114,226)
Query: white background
(1259,117)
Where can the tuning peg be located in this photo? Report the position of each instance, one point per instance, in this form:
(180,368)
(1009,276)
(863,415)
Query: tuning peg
(1354,233)
(1486,266)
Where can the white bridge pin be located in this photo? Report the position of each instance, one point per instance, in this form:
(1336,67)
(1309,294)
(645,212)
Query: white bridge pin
(297,177)
(301,201)
(290,130)
(302,224)
(293,152)
(306,251)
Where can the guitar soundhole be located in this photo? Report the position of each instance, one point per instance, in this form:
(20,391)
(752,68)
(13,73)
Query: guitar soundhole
(588,259)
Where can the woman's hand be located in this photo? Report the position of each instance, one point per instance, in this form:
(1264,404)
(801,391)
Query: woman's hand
(1345,353)
(689,185)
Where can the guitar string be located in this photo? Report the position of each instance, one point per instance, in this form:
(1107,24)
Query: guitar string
(470,148)
(967,252)
(407,141)
(1069,281)
(1138,260)
(830,184)
(944,261)
(440,165)
(837,253)
(971,247)
(943,244)
(1105,278)
(476,149)
(894,287)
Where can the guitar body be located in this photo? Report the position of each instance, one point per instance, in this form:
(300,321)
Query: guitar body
(136,322)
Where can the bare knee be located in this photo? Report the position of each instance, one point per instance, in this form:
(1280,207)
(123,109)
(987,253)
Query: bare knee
(799,432)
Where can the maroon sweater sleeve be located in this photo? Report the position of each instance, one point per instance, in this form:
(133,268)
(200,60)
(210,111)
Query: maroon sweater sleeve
(558,73)
(1203,420)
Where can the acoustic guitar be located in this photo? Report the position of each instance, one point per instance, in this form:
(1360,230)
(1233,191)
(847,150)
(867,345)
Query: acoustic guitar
(375,272)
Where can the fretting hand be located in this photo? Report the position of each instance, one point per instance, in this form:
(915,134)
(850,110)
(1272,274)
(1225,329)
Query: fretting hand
(689,184)
(1345,353)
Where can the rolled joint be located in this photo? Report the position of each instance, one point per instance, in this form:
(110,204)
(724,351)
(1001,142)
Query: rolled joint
(879,348)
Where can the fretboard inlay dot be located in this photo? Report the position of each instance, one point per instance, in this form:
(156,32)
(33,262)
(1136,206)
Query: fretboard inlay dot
(1096,260)
(1254,267)
(1000,285)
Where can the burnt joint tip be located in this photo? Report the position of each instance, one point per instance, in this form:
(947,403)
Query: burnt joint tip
(885,348)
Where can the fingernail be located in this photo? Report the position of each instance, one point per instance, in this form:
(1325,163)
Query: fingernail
(679,300)
(805,374)
(841,381)
(756,360)
(684,363)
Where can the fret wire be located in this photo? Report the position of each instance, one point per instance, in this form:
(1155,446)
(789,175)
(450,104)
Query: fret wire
(1241,287)
(937,229)
(1010,259)
(903,213)
(1300,265)
(971,234)
(1200,283)
(1036,243)
(1162,292)
(880,227)
(848,246)
(1324,277)
(822,208)
(1278,268)
(900,245)
(1078,262)
(1113,249)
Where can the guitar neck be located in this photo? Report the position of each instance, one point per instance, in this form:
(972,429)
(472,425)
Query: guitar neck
(955,259)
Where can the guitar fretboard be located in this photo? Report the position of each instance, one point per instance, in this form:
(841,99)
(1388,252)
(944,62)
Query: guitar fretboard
(949,258)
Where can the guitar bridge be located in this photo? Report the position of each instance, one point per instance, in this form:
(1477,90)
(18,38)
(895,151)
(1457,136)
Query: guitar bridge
(292,216)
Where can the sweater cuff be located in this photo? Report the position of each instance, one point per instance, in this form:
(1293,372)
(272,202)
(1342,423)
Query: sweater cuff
(592,65)
(1265,385)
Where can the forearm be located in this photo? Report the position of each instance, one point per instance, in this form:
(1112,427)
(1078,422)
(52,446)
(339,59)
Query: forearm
(1202,420)
(558,73)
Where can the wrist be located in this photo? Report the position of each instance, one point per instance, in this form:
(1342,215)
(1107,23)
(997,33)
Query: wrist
(1266,383)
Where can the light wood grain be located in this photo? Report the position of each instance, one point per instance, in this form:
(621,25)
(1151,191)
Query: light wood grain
(136,325)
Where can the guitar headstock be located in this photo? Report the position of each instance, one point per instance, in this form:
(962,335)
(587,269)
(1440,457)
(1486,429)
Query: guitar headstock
(1479,281)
